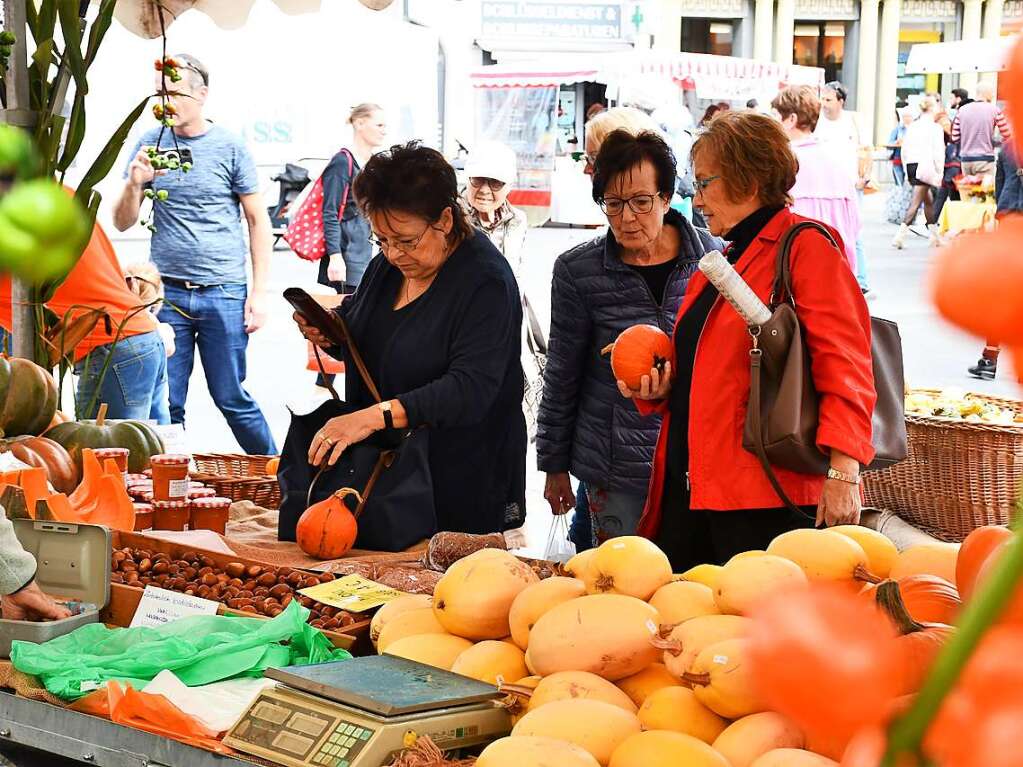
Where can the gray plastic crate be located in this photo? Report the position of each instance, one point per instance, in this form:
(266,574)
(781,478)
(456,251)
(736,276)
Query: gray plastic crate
(73,563)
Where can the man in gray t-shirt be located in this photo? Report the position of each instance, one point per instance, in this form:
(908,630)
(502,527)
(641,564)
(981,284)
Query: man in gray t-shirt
(200,250)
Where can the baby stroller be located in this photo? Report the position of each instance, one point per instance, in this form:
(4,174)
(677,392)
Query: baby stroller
(292,181)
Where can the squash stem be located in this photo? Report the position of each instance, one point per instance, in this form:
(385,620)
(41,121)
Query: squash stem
(906,734)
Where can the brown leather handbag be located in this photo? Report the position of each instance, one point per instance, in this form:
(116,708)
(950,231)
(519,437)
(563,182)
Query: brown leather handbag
(781,421)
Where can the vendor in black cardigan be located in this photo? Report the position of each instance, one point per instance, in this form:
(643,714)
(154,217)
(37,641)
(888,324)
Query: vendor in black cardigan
(437,318)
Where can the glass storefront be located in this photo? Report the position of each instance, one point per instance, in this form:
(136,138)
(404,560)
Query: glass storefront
(916,84)
(820,44)
(715,36)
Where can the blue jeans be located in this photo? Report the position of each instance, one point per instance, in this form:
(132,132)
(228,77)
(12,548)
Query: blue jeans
(134,385)
(899,172)
(214,319)
(861,260)
(614,513)
(581,530)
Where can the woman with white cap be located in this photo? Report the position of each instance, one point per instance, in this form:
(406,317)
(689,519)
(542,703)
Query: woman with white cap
(491,169)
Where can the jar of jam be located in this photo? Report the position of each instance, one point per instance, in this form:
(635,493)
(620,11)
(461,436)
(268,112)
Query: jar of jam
(170,477)
(210,514)
(119,455)
(170,515)
(195,490)
(138,490)
(143,516)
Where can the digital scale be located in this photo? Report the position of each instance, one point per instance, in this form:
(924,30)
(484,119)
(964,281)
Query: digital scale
(359,713)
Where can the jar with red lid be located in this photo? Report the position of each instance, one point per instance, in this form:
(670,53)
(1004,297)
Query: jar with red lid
(139,490)
(210,514)
(119,455)
(170,515)
(170,477)
(196,491)
(143,516)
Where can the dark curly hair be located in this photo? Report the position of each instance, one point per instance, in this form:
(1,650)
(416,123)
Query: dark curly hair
(412,179)
(622,151)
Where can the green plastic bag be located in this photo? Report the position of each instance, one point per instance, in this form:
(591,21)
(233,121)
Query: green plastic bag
(199,650)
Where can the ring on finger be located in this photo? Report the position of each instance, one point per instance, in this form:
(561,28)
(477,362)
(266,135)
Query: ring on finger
(328,441)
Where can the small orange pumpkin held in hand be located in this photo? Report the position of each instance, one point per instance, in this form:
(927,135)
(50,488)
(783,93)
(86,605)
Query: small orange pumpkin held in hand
(637,351)
(327,530)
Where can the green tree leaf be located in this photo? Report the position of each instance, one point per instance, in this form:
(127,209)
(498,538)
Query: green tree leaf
(108,156)
(75,134)
(71,29)
(99,30)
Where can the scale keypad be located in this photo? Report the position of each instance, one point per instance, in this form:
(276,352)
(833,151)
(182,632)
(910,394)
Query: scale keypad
(343,746)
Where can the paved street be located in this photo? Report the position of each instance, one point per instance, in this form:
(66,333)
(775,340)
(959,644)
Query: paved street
(936,355)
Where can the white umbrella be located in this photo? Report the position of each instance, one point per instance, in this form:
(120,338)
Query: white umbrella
(142,17)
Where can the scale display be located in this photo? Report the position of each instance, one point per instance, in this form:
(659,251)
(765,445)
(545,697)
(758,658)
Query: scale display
(360,715)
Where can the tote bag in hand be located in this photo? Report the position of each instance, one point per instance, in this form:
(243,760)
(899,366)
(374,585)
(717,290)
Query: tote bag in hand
(305,232)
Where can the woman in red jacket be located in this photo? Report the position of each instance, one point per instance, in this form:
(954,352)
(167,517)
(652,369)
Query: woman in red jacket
(709,498)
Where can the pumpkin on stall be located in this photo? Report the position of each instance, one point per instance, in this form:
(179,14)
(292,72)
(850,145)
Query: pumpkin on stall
(523,751)
(678,601)
(645,683)
(46,454)
(927,598)
(593,725)
(664,748)
(722,679)
(637,351)
(687,640)
(744,582)
(629,565)
(881,552)
(60,417)
(919,643)
(677,709)
(272,466)
(140,439)
(28,397)
(927,558)
(393,609)
(563,685)
(438,650)
(747,739)
(974,552)
(327,529)
(491,661)
(536,599)
(824,555)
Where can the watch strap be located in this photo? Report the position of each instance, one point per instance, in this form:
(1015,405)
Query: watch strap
(852,479)
(385,408)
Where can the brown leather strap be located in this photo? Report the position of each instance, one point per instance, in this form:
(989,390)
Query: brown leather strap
(382,462)
(359,364)
(756,358)
(324,376)
(782,289)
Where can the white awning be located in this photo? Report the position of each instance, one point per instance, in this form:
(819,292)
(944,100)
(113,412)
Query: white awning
(510,76)
(960,56)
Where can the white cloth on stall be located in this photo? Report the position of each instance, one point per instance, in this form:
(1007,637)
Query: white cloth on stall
(216,706)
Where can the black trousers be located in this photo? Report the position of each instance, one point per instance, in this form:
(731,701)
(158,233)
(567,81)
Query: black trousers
(693,537)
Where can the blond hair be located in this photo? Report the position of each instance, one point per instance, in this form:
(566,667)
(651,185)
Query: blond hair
(926,105)
(366,109)
(628,119)
(801,101)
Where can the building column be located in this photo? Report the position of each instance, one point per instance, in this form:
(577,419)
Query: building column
(763,28)
(992,30)
(866,70)
(669,32)
(783,33)
(888,59)
(972,12)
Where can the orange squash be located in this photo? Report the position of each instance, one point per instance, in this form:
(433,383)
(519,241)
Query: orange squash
(637,351)
(33,482)
(272,466)
(928,598)
(327,530)
(919,642)
(976,549)
(61,471)
(100,499)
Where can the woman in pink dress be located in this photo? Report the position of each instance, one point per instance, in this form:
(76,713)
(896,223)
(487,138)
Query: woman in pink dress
(823,191)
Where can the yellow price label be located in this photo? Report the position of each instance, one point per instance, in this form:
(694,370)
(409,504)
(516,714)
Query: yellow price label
(352,592)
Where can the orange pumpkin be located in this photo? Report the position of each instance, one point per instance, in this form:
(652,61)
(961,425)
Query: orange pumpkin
(327,530)
(975,552)
(61,471)
(637,351)
(60,417)
(272,466)
(928,598)
(919,643)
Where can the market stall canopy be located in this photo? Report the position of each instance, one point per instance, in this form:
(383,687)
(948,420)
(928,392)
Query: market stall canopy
(142,17)
(960,56)
(713,76)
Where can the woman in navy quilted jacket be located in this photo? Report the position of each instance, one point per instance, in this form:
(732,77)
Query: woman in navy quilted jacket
(634,274)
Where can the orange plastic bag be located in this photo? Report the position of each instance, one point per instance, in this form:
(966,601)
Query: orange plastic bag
(150,713)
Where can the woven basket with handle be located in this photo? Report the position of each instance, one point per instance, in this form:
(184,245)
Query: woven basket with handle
(959,474)
(238,477)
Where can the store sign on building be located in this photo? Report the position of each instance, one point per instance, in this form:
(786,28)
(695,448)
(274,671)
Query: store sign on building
(557,20)
(930,10)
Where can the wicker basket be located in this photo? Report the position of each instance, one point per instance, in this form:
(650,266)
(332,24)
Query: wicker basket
(958,476)
(239,477)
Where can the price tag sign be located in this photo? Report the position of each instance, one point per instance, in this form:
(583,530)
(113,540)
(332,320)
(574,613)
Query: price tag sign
(159,606)
(353,593)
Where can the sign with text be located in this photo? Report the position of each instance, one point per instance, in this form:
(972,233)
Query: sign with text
(159,606)
(557,20)
(352,592)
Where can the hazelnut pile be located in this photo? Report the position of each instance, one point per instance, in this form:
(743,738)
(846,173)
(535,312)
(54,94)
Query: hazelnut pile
(249,588)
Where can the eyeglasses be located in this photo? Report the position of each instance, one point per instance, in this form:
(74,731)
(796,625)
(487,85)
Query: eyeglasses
(493,183)
(204,75)
(407,247)
(590,160)
(639,203)
(703,183)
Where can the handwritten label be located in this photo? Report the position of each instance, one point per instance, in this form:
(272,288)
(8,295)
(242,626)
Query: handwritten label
(177,488)
(159,606)
(352,592)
